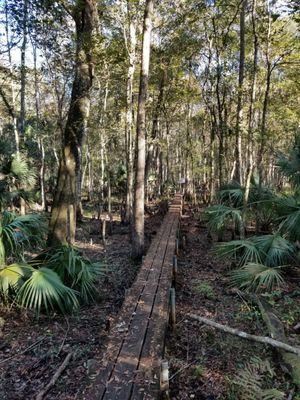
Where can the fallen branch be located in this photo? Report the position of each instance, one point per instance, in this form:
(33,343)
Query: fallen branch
(248,336)
(290,362)
(55,377)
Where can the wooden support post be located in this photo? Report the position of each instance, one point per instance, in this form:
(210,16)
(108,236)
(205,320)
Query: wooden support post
(164,379)
(104,231)
(172,309)
(175,268)
(110,225)
(177,247)
(183,241)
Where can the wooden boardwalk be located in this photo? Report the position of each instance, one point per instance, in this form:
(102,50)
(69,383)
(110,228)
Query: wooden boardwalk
(131,364)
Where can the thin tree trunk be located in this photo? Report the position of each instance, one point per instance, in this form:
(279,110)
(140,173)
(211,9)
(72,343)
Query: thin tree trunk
(23,69)
(238,135)
(63,216)
(250,148)
(131,44)
(40,139)
(13,95)
(155,123)
(139,190)
(262,141)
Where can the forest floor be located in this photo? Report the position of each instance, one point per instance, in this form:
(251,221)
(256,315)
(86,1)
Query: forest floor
(206,363)
(32,350)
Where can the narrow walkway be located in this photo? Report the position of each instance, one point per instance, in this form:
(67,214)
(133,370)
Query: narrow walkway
(132,361)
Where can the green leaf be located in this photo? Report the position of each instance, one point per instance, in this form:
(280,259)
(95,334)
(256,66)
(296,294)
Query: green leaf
(45,290)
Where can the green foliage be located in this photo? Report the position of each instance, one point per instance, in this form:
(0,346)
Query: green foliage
(17,179)
(45,290)
(12,278)
(288,216)
(75,270)
(257,277)
(198,371)
(205,289)
(251,380)
(55,281)
(220,215)
(231,194)
(289,165)
(261,259)
(18,232)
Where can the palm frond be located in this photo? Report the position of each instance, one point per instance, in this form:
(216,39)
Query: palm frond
(22,172)
(243,251)
(257,277)
(220,215)
(274,249)
(12,277)
(75,270)
(231,194)
(45,290)
(17,231)
(289,165)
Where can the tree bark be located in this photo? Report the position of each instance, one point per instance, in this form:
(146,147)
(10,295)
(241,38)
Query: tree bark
(23,69)
(250,148)
(11,109)
(131,45)
(139,189)
(63,216)
(239,111)
(261,339)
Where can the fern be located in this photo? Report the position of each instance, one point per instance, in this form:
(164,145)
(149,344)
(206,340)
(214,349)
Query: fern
(252,379)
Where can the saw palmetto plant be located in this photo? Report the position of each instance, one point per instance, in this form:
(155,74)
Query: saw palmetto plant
(60,279)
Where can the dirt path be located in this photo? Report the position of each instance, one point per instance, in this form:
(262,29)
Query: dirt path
(204,362)
(23,375)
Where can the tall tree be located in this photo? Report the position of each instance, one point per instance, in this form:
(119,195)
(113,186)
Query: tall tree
(139,188)
(238,135)
(63,216)
(130,41)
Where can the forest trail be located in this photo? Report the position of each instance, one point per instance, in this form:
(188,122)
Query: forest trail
(204,363)
(130,367)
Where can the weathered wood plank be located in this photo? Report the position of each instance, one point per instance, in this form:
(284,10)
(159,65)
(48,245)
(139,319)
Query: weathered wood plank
(128,360)
(136,341)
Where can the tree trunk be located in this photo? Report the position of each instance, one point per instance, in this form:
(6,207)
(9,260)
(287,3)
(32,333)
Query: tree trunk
(12,111)
(23,69)
(131,44)
(250,147)
(63,216)
(265,104)
(139,189)
(155,122)
(238,136)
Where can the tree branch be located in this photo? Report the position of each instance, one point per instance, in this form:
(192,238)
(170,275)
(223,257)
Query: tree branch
(248,336)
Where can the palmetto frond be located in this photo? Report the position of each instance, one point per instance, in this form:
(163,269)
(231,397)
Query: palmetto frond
(75,270)
(220,215)
(288,216)
(274,249)
(257,277)
(243,251)
(231,194)
(12,277)
(22,172)
(290,165)
(45,290)
(17,231)
(271,250)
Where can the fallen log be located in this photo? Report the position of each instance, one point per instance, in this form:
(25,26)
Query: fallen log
(261,339)
(290,362)
(55,377)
